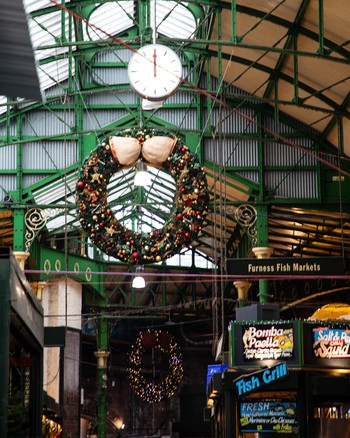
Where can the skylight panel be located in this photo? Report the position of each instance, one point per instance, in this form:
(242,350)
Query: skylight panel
(174,20)
(46,30)
(3,104)
(109,19)
(36,5)
(54,73)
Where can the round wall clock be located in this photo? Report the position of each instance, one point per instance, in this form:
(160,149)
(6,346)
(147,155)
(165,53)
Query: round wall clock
(155,72)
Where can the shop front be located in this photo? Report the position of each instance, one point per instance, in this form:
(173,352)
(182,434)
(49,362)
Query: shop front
(284,377)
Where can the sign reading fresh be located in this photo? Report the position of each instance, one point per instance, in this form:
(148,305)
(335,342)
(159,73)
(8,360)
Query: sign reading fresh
(250,382)
(267,342)
(269,416)
(330,343)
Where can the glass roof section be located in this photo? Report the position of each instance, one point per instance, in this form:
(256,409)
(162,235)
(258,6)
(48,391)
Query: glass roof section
(52,29)
(141,209)
(108,19)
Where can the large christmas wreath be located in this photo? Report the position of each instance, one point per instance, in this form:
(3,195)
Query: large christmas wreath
(147,388)
(120,151)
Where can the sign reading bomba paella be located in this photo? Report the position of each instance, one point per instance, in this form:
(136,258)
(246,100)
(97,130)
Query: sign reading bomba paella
(267,342)
(255,343)
(268,416)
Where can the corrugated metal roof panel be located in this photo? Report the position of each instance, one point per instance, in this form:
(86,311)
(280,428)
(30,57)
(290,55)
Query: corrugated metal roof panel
(8,183)
(48,122)
(297,184)
(49,155)
(99,118)
(8,157)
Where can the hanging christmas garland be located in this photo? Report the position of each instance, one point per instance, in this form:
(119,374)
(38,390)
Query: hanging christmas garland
(191,198)
(147,389)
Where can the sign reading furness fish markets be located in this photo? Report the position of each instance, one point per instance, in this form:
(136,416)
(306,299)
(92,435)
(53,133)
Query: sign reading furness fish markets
(331,343)
(267,342)
(286,266)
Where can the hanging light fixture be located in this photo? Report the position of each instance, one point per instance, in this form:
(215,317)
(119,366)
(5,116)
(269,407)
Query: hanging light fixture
(142,177)
(149,105)
(138,281)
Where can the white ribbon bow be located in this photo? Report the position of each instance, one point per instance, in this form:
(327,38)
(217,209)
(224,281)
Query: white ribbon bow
(154,150)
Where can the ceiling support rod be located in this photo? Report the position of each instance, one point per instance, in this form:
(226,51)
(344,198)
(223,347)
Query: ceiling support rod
(234,21)
(154,30)
(296,70)
(320,27)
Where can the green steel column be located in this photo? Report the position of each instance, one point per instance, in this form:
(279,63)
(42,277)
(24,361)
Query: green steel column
(262,241)
(102,356)
(18,229)
(321,27)
(5,342)
(234,21)
(296,68)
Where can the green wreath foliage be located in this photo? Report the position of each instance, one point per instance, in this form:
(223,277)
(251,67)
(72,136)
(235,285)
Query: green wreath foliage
(113,238)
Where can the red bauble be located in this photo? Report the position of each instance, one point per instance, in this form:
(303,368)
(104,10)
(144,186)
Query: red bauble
(81,184)
(135,255)
(149,339)
(179,216)
(164,340)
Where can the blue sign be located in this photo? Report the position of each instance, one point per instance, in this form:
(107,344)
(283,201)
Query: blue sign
(268,416)
(250,382)
(214,369)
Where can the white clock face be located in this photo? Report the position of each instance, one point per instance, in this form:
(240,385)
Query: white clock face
(155,72)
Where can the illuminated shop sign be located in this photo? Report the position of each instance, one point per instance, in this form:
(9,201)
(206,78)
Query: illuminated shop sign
(331,343)
(314,266)
(267,342)
(253,381)
(258,343)
(268,416)
(326,345)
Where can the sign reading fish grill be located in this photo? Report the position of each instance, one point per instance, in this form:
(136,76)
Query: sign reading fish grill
(315,266)
(253,381)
